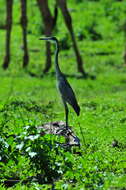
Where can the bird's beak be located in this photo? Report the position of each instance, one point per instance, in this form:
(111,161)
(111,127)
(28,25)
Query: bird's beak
(43,38)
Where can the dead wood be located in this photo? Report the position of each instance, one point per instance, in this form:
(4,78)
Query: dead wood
(59,128)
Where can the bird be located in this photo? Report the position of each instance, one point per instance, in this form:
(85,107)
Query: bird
(66,91)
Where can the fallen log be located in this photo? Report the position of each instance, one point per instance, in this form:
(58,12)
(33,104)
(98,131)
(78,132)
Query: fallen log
(59,128)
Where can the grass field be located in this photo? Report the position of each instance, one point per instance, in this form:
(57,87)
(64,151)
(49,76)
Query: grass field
(26,102)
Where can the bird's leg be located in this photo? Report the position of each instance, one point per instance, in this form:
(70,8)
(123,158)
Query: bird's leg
(66,113)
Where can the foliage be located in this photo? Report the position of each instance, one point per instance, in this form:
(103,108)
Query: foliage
(36,161)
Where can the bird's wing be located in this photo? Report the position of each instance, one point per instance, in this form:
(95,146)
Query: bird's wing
(67,93)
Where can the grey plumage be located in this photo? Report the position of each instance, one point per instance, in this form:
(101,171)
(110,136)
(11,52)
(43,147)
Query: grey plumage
(67,93)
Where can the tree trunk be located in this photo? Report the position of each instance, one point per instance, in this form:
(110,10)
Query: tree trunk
(68,21)
(9,6)
(49,23)
(124,53)
(24,31)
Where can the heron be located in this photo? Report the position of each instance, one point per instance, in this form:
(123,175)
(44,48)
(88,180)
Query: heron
(66,91)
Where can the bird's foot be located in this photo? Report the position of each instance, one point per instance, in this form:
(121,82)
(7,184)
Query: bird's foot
(67,128)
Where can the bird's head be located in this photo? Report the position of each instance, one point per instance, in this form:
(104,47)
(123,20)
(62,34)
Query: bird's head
(51,39)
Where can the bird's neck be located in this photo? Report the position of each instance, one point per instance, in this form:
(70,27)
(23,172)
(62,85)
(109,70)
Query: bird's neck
(57,68)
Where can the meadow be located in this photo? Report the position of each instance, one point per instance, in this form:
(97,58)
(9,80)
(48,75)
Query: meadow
(27,102)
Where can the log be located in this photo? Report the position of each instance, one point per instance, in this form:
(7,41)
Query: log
(59,128)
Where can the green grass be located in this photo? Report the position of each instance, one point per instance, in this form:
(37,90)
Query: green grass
(26,102)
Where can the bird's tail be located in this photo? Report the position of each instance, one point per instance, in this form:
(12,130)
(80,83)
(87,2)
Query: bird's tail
(77,109)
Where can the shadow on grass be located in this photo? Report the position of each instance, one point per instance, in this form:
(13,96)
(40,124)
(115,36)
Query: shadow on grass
(52,74)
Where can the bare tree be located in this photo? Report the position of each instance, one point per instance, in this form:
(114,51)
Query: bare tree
(68,21)
(9,4)
(49,23)
(124,32)
(24,31)
(9,11)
